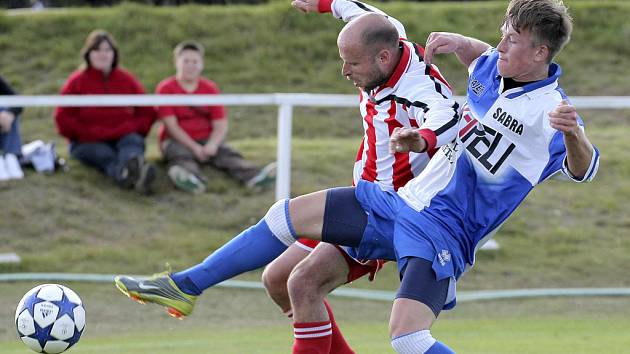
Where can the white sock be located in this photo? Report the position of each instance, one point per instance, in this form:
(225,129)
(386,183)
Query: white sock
(12,165)
(413,343)
(4,175)
(277,218)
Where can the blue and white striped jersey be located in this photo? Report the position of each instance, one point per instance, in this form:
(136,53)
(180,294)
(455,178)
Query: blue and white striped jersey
(505,147)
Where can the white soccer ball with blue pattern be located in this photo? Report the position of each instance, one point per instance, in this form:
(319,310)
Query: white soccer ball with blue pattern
(50,318)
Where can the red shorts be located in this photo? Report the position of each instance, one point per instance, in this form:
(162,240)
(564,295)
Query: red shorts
(357,268)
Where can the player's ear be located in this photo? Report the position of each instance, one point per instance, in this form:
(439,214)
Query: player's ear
(383,56)
(542,53)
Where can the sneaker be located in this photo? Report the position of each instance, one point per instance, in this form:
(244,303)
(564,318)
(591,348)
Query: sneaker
(265,178)
(146,178)
(4,175)
(159,289)
(13,168)
(186,180)
(129,174)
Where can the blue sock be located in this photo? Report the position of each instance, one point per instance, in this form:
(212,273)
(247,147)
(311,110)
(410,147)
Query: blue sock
(250,250)
(439,348)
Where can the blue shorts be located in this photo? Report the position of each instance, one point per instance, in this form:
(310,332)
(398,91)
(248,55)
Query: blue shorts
(395,231)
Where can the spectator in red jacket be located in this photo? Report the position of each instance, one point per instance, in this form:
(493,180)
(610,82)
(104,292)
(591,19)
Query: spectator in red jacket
(194,135)
(110,139)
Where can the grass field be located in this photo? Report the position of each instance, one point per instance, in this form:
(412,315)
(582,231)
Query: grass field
(562,236)
(238,321)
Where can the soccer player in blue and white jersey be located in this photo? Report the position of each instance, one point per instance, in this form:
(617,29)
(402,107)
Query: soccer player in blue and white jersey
(518,130)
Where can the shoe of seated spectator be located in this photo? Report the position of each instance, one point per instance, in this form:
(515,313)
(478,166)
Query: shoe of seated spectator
(146,178)
(130,172)
(13,167)
(159,289)
(264,179)
(4,175)
(186,180)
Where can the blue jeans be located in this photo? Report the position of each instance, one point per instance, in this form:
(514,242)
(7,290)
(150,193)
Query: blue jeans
(10,142)
(109,157)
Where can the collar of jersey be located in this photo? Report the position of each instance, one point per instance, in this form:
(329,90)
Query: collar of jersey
(539,87)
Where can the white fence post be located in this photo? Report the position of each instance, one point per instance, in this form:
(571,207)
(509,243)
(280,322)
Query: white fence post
(283,173)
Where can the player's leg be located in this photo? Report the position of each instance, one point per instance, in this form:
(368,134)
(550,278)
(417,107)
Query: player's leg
(418,302)
(344,220)
(251,249)
(276,274)
(315,329)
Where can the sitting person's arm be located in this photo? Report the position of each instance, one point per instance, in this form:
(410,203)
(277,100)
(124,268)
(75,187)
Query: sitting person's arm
(178,134)
(66,117)
(6,89)
(219,131)
(145,116)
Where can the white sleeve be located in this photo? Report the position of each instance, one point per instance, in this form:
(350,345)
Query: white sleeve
(441,120)
(438,113)
(347,10)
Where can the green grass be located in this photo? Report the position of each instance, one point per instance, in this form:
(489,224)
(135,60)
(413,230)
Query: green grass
(515,336)
(564,235)
(237,321)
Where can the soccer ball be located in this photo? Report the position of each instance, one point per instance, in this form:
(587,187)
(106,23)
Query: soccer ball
(50,318)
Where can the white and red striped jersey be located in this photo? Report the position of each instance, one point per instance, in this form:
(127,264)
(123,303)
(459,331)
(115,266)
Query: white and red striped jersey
(416,95)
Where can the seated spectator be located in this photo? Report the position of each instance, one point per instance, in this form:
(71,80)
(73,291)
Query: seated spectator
(110,139)
(10,142)
(194,135)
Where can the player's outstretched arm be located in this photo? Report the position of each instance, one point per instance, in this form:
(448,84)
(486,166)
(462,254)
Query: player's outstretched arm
(345,10)
(579,148)
(306,6)
(466,49)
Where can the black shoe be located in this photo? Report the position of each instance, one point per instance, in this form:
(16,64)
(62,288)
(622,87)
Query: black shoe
(146,179)
(129,173)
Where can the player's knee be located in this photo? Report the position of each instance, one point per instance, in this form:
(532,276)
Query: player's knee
(398,328)
(274,279)
(301,286)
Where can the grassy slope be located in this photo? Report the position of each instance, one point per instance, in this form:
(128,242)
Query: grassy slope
(273,48)
(563,235)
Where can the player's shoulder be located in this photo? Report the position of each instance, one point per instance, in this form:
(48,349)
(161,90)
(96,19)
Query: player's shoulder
(486,63)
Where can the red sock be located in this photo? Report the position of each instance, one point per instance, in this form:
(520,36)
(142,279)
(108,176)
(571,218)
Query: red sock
(312,337)
(338,343)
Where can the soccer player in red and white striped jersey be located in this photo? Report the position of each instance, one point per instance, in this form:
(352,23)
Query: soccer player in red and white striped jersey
(396,90)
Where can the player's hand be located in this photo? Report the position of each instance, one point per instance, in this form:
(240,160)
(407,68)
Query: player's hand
(6,119)
(441,43)
(404,140)
(306,6)
(564,118)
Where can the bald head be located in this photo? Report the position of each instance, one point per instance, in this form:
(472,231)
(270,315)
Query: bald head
(368,46)
(371,31)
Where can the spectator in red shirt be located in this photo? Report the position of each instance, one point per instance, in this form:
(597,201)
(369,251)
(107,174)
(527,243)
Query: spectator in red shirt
(110,139)
(195,135)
